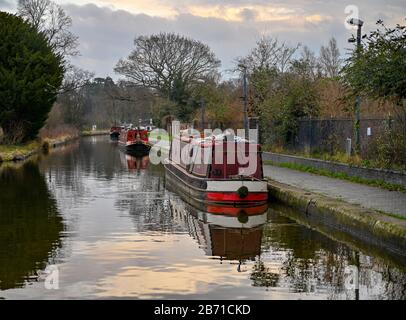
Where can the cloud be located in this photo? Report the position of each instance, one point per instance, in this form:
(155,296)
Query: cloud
(106,35)
(231,29)
(248,14)
(6,5)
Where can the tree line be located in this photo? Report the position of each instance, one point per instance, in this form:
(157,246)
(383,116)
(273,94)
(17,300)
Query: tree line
(170,75)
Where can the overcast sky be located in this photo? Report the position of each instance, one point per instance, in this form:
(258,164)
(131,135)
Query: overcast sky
(230,27)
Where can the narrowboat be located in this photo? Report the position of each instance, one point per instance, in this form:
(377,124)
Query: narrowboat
(115,133)
(217,170)
(135,141)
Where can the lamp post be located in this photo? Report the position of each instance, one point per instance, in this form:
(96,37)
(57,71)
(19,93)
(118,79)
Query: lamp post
(245,88)
(203,105)
(358,23)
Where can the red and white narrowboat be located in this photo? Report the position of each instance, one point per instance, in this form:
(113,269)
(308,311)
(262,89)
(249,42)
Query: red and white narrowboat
(216,170)
(135,141)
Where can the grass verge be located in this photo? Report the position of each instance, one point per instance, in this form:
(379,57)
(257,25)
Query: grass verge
(342,176)
(22,151)
(88,133)
(12,152)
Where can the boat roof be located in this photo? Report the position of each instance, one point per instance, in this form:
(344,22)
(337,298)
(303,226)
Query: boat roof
(214,139)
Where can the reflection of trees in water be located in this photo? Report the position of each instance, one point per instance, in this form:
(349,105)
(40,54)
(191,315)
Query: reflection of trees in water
(146,201)
(67,173)
(304,260)
(30,226)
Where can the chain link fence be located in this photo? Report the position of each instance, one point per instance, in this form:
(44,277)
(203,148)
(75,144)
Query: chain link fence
(337,135)
(381,139)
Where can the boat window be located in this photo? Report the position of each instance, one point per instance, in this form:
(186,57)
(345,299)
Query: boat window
(200,169)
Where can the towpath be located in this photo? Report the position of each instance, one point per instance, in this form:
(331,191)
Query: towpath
(391,202)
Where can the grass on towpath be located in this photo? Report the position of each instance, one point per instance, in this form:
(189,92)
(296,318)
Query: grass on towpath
(342,176)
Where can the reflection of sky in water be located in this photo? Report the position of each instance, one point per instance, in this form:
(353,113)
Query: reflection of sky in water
(121,239)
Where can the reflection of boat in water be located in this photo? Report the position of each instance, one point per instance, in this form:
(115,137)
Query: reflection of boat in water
(134,163)
(225,232)
(216,170)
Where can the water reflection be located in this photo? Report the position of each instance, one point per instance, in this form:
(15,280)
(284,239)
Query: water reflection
(125,235)
(30,226)
(228,233)
(305,261)
(134,163)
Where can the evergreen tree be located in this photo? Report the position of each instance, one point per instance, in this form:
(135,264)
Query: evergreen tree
(30,76)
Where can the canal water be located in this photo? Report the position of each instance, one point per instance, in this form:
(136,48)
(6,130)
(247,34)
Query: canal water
(87,221)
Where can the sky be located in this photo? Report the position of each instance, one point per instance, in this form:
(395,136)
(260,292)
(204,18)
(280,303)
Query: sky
(107,28)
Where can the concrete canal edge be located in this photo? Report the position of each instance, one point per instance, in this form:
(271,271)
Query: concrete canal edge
(370,226)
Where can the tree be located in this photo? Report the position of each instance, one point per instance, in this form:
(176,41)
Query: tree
(379,68)
(330,59)
(269,53)
(52,21)
(30,76)
(166,61)
(74,96)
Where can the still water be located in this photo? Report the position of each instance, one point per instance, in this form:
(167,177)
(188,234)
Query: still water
(101,224)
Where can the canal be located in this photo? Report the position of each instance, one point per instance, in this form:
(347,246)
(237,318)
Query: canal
(101,224)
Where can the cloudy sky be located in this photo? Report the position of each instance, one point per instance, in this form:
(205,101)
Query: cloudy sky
(230,27)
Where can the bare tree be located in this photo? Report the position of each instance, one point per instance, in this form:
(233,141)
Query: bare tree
(269,53)
(50,19)
(330,59)
(159,61)
(73,96)
(75,78)
(311,65)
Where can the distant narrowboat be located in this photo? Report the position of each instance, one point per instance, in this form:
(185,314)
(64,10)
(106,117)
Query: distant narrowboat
(135,141)
(224,179)
(115,133)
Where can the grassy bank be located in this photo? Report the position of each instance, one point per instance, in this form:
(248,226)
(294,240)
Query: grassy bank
(340,157)
(88,133)
(342,176)
(24,151)
(15,152)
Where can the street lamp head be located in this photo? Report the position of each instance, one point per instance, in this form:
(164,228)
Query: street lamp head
(356,22)
(242,66)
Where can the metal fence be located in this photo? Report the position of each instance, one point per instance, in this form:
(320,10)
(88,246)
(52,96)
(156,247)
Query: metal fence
(334,135)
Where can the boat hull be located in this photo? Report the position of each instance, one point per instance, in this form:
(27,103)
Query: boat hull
(114,136)
(208,191)
(136,148)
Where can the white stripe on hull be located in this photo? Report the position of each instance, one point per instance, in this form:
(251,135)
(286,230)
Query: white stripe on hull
(232,222)
(234,185)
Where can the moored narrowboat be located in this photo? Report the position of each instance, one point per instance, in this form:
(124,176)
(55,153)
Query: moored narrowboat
(135,141)
(216,170)
(115,133)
